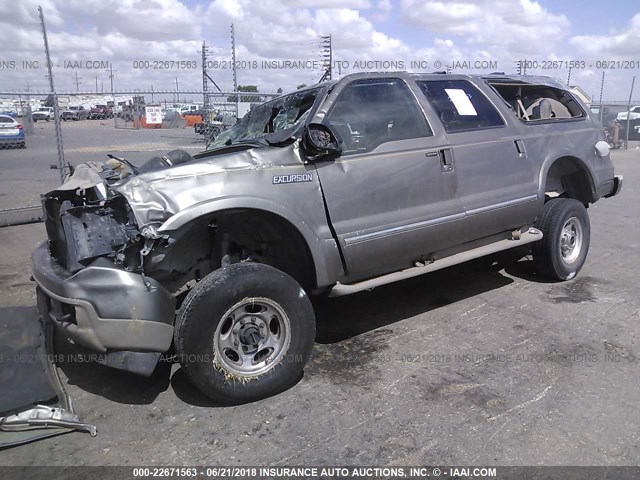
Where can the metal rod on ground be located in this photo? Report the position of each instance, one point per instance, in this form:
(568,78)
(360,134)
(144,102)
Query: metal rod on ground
(56,109)
(626,135)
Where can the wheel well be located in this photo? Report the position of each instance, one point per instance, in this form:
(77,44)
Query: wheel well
(232,236)
(568,177)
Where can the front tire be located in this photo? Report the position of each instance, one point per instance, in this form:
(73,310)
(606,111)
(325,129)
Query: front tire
(567,233)
(245,333)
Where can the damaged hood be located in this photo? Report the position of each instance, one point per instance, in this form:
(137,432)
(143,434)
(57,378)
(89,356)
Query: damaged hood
(157,195)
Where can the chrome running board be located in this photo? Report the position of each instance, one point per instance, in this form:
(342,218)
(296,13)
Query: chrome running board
(531,235)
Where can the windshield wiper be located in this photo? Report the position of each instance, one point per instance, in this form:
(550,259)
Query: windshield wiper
(234,147)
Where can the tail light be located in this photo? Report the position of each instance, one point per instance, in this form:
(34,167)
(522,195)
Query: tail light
(19,127)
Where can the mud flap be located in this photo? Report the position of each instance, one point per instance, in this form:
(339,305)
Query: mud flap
(33,404)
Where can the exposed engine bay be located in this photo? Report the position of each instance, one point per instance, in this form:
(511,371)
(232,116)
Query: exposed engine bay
(87,220)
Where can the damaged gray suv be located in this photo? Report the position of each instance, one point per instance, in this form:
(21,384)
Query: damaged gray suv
(334,189)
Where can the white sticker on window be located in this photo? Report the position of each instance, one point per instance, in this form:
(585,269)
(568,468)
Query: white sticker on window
(461,101)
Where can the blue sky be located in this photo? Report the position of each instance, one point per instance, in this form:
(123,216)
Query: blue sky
(126,31)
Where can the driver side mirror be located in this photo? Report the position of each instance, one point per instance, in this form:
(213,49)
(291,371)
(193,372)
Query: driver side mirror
(320,140)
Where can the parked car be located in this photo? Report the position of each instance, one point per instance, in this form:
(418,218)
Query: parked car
(11,133)
(633,114)
(190,109)
(333,189)
(9,113)
(75,113)
(100,112)
(43,113)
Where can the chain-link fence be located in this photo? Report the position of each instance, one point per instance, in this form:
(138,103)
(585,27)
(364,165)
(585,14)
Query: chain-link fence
(135,125)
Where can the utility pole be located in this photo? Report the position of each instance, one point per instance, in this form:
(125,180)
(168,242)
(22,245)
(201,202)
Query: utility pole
(601,89)
(569,77)
(96,83)
(111,70)
(26,111)
(235,74)
(626,140)
(77,81)
(327,56)
(151,93)
(56,110)
(205,96)
(177,91)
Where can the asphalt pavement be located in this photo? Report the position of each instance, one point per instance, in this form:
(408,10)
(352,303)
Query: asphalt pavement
(25,173)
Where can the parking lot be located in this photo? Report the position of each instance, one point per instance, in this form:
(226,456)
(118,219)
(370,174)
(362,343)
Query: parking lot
(27,173)
(478,364)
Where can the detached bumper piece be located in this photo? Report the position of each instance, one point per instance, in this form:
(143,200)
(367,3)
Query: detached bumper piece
(43,417)
(34,404)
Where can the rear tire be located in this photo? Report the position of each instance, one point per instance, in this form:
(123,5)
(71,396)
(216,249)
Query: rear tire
(563,250)
(244,333)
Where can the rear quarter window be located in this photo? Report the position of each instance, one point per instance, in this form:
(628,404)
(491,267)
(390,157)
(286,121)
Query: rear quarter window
(539,103)
(460,105)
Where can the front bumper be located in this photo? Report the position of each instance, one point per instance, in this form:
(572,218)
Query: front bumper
(102,307)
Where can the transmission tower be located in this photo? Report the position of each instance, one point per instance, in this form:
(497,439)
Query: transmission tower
(206,94)
(327,57)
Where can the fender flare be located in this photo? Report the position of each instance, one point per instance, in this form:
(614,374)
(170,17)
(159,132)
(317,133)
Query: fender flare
(324,251)
(552,159)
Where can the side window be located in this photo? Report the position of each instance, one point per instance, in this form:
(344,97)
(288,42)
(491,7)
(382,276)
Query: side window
(460,105)
(532,102)
(370,112)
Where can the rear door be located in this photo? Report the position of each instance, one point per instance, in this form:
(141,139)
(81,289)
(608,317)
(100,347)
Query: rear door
(392,194)
(497,180)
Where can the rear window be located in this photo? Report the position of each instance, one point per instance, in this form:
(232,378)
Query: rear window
(460,105)
(5,119)
(539,103)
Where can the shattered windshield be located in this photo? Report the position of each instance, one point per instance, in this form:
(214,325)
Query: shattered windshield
(283,113)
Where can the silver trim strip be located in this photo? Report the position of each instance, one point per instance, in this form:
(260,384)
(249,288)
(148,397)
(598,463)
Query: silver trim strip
(532,235)
(508,203)
(402,229)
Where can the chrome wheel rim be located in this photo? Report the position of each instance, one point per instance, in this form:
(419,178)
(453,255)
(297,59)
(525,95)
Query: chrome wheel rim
(251,338)
(571,238)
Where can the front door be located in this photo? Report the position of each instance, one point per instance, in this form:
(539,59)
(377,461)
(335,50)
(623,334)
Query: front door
(392,194)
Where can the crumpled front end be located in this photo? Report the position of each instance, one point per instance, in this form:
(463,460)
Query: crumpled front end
(91,283)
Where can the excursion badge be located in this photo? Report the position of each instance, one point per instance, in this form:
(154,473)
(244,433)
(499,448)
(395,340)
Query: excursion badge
(297,178)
